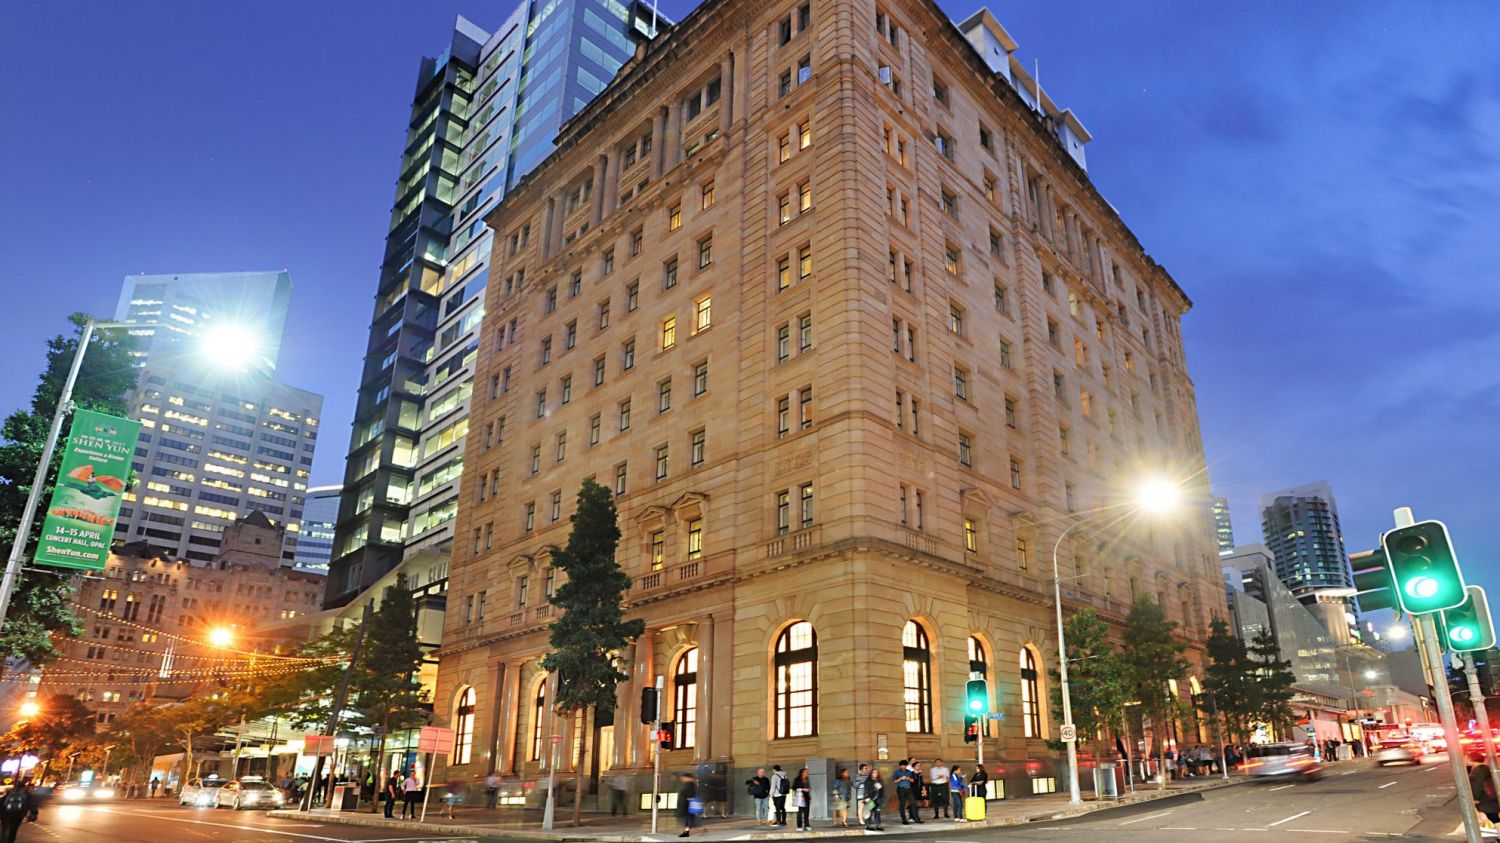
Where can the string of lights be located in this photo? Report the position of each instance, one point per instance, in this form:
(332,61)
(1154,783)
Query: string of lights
(150,674)
(230,652)
(222,659)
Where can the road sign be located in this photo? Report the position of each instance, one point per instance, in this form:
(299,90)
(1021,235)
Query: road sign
(1069,733)
(435,739)
(317,745)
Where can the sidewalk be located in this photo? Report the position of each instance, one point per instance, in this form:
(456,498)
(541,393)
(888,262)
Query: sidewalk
(525,824)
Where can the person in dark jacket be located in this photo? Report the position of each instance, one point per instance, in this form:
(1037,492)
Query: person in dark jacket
(1483,788)
(802,787)
(17,806)
(780,787)
(687,796)
(759,788)
(390,793)
(978,781)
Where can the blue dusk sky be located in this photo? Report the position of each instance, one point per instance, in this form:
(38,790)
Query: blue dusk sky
(1322,178)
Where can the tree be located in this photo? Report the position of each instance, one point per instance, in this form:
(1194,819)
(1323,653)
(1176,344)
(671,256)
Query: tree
(1096,681)
(385,687)
(1273,681)
(1154,655)
(60,721)
(592,628)
(1230,677)
(39,606)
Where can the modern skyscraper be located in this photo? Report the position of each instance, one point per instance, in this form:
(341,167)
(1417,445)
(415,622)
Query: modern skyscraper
(1222,526)
(176,311)
(319,515)
(1301,528)
(485,112)
(852,338)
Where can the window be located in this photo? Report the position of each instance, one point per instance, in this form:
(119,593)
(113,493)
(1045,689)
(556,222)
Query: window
(685,700)
(636,238)
(784,83)
(538,710)
(674,218)
(783,416)
(566,387)
(806,494)
(702,313)
(783,512)
(669,273)
(1010,412)
(784,209)
(1031,703)
(695,539)
(664,396)
(606,266)
(783,273)
(658,550)
(632,296)
(708,195)
(700,378)
(570,335)
(705,252)
(804,135)
(555,515)
(1006,361)
(784,149)
(621,474)
(804,262)
(625,415)
(961,382)
(783,32)
(956,319)
(463,727)
(662,452)
(530,516)
(562,446)
(668,332)
(550,304)
(627,355)
(940,92)
(523,591)
(1015,473)
(804,69)
(804,332)
(804,17)
(804,197)
(916,671)
(541,403)
(1023,554)
(985,139)
(599,371)
(796,664)
(546,351)
(971,535)
(965,449)
(950,259)
(595,425)
(804,407)
(947,202)
(699,447)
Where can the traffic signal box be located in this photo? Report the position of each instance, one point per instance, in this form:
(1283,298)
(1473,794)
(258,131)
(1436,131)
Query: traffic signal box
(1372,579)
(1468,628)
(976,708)
(648,705)
(1424,567)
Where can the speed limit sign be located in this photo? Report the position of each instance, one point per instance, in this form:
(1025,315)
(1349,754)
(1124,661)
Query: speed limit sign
(1069,733)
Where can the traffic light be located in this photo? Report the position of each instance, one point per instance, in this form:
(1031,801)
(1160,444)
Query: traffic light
(1469,627)
(1372,579)
(665,734)
(977,698)
(971,728)
(1424,567)
(648,705)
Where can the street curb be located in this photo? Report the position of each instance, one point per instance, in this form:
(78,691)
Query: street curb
(616,837)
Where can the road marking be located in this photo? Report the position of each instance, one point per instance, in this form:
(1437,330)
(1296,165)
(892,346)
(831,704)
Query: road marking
(1282,787)
(1301,831)
(262,829)
(1148,817)
(1288,819)
(1178,828)
(1348,772)
(1384,786)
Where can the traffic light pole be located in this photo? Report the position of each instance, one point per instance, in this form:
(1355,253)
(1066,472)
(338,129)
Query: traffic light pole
(1476,697)
(656,753)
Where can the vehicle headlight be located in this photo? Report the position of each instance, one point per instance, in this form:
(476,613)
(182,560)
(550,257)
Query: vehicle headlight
(278,797)
(73,794)
(105,793)
(251,797)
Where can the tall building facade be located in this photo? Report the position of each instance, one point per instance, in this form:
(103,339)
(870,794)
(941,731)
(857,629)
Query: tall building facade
(1223,527)
(484,113)
(852,338)
(320,513)
(171,313)
(1301,528)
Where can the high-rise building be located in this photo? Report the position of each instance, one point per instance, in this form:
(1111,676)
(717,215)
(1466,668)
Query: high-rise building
(852,337)
(1301,528)
(174,312)
(320,513)
(485,111)
(1223,528)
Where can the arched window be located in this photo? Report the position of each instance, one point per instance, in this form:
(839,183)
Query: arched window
(916,670)
(463,726)
(685,709)
(1031,703)
(538,711)
(797,681)
(979,663)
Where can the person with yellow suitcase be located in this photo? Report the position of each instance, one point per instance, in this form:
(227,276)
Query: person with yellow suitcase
(974,803)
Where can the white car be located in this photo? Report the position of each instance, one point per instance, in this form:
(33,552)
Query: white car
(251,792)
(78,792)
(199,793)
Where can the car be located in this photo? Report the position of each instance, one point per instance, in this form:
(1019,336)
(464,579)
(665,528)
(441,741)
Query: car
(199,793)
(1279,761)
(1398,753)
(80,792)
(248,792)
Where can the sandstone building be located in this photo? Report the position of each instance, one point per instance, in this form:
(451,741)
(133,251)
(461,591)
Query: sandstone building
(846,327)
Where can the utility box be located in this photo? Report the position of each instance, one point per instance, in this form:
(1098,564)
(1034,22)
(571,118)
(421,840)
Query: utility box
(820,773)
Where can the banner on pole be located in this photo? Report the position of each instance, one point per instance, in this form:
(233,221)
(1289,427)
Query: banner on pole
(435,739)
(80,522)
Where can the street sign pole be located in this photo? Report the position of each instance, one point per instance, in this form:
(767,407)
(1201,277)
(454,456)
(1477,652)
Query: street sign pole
(1476,697)
(1438,676)
(656,753)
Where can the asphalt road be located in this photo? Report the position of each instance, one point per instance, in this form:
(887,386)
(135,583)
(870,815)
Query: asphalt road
(1356,802)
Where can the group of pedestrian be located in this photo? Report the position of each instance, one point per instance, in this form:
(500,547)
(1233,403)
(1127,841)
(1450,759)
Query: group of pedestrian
(939,787)
(942,788)
(1192,762)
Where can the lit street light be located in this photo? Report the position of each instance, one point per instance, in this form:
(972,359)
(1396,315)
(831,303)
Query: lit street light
(221,636)
(1156,496)
(30,709)
(230,346)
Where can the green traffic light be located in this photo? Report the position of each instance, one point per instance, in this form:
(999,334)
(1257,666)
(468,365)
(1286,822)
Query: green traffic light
(1424,567)
(1468,625)
(1462,635)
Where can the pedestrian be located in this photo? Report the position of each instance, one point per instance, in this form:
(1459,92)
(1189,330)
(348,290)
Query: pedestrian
(155,783)
(870,794)
(956,792)
(839,794)
(453,796)
(390,793)
(979,781)
(758,787)
(937,789)
(919,789)
(780,787)
(1483,787)
(859,802)
(689,807)
(411,794)
(16,806)
(491,790)
(802,787)
(619,783)
(906,793)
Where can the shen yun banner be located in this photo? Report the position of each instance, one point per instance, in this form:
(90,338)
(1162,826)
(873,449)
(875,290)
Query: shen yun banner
(80,521)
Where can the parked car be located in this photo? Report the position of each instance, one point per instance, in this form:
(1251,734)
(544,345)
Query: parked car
(199,793)
(248,792)
(1279,761)
(1401,752)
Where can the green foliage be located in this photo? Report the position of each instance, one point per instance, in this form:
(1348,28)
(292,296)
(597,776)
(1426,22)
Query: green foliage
(1153,655)
(385,688)
(60,722)
(39,606)
(1230,677)
(1096,677)
(592,629)
(1273,680)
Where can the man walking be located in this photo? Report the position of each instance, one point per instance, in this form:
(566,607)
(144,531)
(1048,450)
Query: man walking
(759,789)
(155,783)
(859,789)
(780,787)
(937,789)
(906,793)
(618,784)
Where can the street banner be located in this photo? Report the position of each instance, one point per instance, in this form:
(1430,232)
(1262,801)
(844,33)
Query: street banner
(80,522)
(315,745)
(435,739)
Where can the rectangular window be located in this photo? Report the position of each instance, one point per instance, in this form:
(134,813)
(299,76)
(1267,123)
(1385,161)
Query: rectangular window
(804,135)
(658,550)
(805,495)
(971,536)
(804,197)
(662,452)
(637,237)
(546,351)
(599,371)
(705,252)
(1005,357)
(555,509)
(804,70)
(961,382)
(625,415)
(570,335)
(783,342)
(783,512)
(604,314)
(562,446)
(627,355)
(1002,300)
(669,332)
(783,273)
(804,332)
(669,273)
(702,313)
(567,388)
(1015,473)
(695,539)
(674,218)
(606,266)
(956,319)
(1010,412)
(620,477)
(530,521)
(784,149)
(708,195)
(541,403)
(699,448)
(595,422)
(784,209)
(664,396)
(632,296)
(965,449)
(700,378)
(804,407)
(783,416)
(950,259)
(804,262)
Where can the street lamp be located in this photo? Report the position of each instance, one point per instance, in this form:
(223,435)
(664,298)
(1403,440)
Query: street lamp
(221,636)
(30,709)
(229,345)
(1157,496)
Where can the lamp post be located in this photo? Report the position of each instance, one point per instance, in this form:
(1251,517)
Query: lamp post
(1156,496)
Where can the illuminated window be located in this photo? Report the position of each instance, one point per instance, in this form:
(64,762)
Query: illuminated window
(695,539)
(538,710)
(916,669)
(796,664)
(463,727)
(685,706)
(658,550)
(1031,706)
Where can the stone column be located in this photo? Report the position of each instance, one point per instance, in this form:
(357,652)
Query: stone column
(726,94)
(510,706)
(503,679)
(658,143)
(611,181)
(627,696)
(596,203)
(706,719)
(645,677)
(671,154)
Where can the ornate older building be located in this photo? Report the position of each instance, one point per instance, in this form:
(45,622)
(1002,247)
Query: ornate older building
(841,319)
